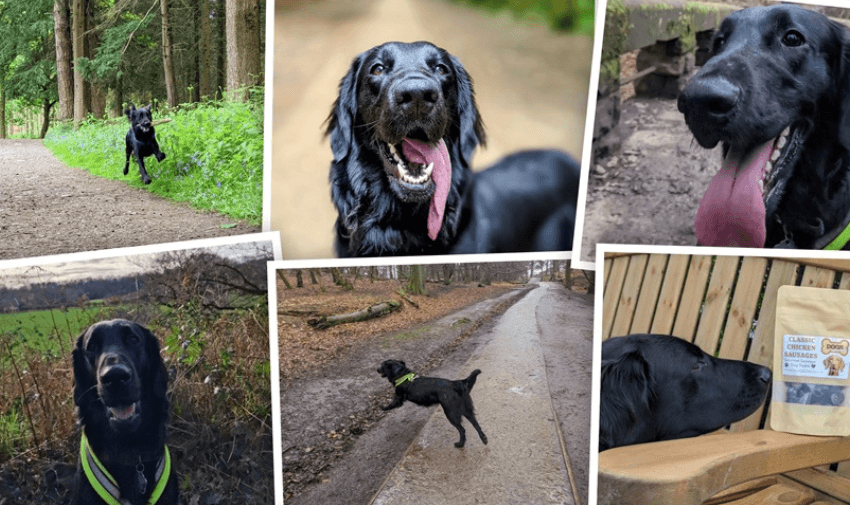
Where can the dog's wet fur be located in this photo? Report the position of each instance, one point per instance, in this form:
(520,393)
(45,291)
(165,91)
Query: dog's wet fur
(453,396)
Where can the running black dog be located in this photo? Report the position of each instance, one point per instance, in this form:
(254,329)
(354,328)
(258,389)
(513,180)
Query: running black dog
(776,94)
(120,385)
(141,140)
(453,396)
(403,131)
(658,387)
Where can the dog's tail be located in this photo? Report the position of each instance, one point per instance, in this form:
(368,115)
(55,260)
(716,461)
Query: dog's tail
(469,382)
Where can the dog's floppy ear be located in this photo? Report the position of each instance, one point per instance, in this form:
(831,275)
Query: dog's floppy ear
(842,79)
(341,119)
(157,375)
(626,399)
(470,126)
(129,111)
(84,378)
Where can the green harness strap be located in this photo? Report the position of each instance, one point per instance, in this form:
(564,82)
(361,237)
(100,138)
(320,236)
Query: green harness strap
(104,484)
(402,380)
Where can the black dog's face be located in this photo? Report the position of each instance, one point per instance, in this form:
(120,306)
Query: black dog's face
(116,367)
(140,119)
(392,369)
(672,389)
(772,71)
(407,91)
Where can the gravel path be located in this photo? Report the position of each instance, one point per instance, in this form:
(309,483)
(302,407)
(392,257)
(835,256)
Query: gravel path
(48,208)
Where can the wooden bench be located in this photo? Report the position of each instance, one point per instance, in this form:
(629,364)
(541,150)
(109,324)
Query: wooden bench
(726,305)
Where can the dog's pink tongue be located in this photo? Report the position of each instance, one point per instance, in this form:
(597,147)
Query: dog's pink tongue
(420,152)
(732,213)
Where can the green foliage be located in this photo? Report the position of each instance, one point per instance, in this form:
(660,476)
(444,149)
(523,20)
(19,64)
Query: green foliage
(45,331)
(567,16)
(27,53)
(214,155)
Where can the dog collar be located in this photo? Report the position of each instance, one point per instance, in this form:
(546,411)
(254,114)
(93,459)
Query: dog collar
(105,485)
(838,241)
(402,380)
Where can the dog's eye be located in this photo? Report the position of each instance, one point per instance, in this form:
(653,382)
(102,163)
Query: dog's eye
(442,69)
(377,69)
(793,39)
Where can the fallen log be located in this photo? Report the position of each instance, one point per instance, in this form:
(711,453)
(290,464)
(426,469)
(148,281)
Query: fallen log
(377,310)
(402,294)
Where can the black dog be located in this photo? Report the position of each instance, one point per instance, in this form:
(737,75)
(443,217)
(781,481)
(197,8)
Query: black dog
(141,140)
(776,93)
(453,396)
(403,131)
(120,384)
(657,387)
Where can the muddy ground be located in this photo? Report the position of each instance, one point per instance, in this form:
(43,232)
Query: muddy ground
(531,89)
(338,446)
(648,191)
(49,208)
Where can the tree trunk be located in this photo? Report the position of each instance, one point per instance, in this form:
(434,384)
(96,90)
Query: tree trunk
(64,76)
(283,278)
(167,59)
(416,281)
(243,46)
(204,50)
(568,275)
(313,277)
(377,310)
(97,93)
(2,111)
(81,88)
(45,123)
(299,278)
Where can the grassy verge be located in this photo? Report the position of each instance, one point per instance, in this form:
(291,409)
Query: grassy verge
(214,155)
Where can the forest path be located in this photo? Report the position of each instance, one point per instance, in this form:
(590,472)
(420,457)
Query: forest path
(49,208)
(530,84)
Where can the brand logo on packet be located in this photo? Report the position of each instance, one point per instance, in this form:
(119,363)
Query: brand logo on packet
(830,346)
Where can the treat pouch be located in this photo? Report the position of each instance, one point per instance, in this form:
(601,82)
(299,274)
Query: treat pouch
(811,362)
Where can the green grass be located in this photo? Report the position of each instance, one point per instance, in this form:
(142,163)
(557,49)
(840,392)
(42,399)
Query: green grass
(214,155)
(45,331)
(573,16)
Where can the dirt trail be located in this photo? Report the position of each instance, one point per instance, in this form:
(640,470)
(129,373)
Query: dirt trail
(524,461)
(338,447)
(531,88)
(49,208)
(648,192)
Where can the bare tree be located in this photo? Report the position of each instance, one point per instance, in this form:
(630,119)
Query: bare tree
(243,44)
(62,31)
(78,34)
(204,49)
(416,281)
(167,59)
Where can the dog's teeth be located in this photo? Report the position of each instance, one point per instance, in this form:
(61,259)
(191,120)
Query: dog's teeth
(774,155)
(782,141)
(761,185)
(768,168)
(786,131)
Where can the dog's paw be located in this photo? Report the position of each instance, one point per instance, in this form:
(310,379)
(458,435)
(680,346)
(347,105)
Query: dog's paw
(385,409)
(146,180)
(484,439)
(160,156)
(459,445)
(126,170)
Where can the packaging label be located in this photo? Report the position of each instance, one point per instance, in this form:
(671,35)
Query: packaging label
(820,357)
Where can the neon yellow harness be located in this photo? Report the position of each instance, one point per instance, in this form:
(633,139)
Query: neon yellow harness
(402,380)
(104,484)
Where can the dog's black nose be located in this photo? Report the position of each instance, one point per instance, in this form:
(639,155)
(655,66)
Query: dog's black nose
(114,373)
(764,374)
(416,95)
(713,96)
